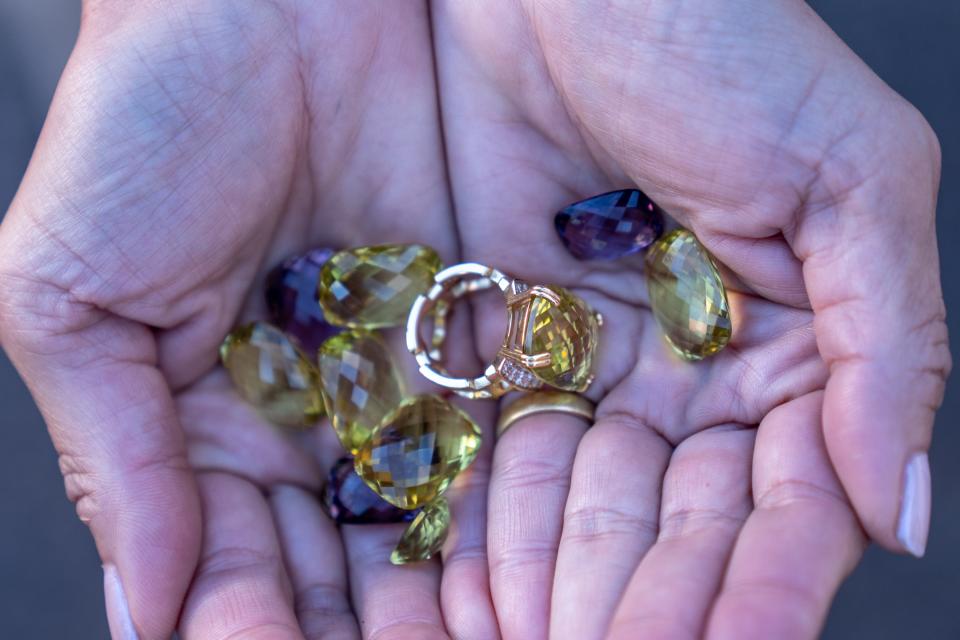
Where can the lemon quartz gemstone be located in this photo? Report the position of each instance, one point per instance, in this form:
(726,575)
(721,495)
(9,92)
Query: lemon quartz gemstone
(687,295)
(374,287)
(270,372)
(565,327)
(424,535)
(360,384)
(417,451)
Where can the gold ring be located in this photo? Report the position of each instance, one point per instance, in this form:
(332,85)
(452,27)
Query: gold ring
(550,340)
(544,402)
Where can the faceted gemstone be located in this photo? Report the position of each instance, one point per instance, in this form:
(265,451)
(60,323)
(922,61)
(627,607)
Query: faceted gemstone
(425,535)
(567,329)
(687,295)
(360,385)
(348,500)
(291,295)
(374,287)
(610,226)
(270,372)
(417,450)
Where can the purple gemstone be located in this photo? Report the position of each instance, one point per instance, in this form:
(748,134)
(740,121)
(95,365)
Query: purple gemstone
(291,294)
(610,226)
(348,500)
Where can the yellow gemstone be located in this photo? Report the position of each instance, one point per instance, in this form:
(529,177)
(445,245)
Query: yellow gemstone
(360,385)
(565,327)
(272,374)
(417,451)
(373,287)
(687,295)
(424,535)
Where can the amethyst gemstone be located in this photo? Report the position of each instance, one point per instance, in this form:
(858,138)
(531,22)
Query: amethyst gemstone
(610,226)
(348,500)
(291,294)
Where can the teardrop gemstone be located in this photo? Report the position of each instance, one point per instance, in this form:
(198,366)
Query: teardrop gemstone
(687,295)
(425,535)
(610,225)
(348,500)
(360,385)
(291,297)
(421,446)
(565,327)
(270,372)
(373,287)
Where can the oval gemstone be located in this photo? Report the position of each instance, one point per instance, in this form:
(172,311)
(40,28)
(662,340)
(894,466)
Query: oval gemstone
(563,326)
(291,296)
(421,446)
(360,385)
(610,225)
(373,287)
(348,500)
(270,372)
(687,295)
(425,535)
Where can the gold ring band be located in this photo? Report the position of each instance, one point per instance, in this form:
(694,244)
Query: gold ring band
(551,401)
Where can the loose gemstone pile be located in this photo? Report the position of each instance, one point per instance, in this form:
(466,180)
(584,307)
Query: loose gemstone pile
(321,353)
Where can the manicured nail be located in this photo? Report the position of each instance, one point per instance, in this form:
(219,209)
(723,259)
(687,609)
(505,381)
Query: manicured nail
(914,523)
(118,613)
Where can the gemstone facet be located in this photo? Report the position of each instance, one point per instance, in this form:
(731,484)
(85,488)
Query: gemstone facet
(425,535)
(563,326)
(374,287)
(270,372)
(417,450)
(610,225)
(360,385)
(291,296)
(348,500)
(687,295)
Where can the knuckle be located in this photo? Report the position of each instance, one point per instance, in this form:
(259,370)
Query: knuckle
(321,608)
(595,522)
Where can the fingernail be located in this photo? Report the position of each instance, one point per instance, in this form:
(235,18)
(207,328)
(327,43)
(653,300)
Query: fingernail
(118,613)
(914,523)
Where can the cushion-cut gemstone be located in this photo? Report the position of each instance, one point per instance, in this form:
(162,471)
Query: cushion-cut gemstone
(270,372)
(563,326)
(348,500)
(687,295)
(609,226)
(291,296)
(414,455)
(374,287)
(360,385)
(425,535)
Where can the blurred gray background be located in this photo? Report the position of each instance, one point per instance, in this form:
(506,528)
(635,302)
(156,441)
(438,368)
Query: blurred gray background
(50,581)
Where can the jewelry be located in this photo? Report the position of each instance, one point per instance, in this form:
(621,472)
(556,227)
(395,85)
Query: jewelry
(550,340)
(536,402)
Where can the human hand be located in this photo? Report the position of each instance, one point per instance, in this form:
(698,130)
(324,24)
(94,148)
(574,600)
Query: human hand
(730,497)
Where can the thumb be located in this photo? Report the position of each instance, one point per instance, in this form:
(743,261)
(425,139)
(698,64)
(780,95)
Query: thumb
(121,450)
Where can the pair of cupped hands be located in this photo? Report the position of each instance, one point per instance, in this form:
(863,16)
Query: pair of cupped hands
(192,145)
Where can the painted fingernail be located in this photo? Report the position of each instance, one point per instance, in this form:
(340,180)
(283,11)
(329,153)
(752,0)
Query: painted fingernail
(118,613)
(914,522)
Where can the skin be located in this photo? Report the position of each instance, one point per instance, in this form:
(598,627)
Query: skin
(191,146)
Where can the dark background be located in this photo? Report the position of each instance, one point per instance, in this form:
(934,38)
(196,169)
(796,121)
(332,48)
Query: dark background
(50,581)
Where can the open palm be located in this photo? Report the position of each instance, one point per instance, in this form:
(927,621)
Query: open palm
(188,149)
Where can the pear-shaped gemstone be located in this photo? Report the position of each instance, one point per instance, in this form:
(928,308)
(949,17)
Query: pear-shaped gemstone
(417,450)
(291,297)
(425,535)
(360,385)
(562,325)
(270,372)
(610,225)
(348,500)
(374,287)
(687,295)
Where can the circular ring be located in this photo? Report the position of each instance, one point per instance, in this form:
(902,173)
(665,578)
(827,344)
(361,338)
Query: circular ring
(531,404)
(550,339)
